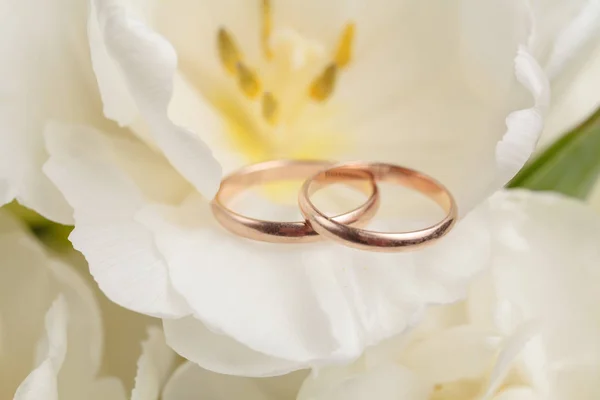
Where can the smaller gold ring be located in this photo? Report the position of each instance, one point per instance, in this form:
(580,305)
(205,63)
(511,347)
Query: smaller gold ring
(286,232)
(372,240)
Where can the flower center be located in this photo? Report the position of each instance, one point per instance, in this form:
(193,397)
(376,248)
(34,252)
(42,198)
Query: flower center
(281,99)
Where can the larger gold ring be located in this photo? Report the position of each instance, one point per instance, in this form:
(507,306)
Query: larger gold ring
(372,240)
(286,232)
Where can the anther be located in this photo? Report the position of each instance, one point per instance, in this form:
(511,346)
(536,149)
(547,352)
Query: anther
(228,51)
(270,108)
(343,54)
(248,80)
(322,87)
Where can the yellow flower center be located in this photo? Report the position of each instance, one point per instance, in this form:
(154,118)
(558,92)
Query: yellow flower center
(282,98)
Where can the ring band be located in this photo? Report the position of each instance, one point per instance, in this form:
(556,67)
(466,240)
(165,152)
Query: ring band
(286,232)
(372,240)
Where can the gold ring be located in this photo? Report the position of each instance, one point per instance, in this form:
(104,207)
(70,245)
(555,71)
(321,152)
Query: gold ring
(286,232)
(372,240)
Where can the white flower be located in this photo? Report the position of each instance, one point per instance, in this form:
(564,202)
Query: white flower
(529,329)
(452,89)
(52,340)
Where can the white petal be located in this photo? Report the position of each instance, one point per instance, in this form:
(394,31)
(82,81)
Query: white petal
(192,382)
(124,331)
(147,63)
(105,196)
(155,365)
(576,381)
(511,349)
(386,382)
(523,126)
(451,355)
(29,282)
(446,121)
(49,77)
(577,100)
(220,353)
(574,35)
(6,193)
(42,382)
(325,306)
(545,270)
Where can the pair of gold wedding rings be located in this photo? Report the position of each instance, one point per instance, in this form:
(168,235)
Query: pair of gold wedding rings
(344,228)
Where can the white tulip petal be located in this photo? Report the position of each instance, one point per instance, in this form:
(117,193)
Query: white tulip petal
(308,313)
(49,77)
(118,103)
(120,251)
(28,291)
(576,381)
(124,331)
(220,353)
(6,192)
(511,349)
(576,35)
(250,284)
(576,102)
(447,121)
(155,365)
(524,126)
(456,353)
(42,382)
(545,269)
(386,382)
(148,62)
(190,382)
(569,40)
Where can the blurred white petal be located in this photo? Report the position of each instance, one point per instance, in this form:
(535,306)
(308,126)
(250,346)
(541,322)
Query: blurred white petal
(220,353)
(42,382)
(386,382)
(69,356)
(190,382)
(155,365)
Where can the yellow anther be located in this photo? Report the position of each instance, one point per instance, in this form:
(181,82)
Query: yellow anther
(322,87)
(267,27)
(343,55)
(248,80)
(228,51)
(270,108)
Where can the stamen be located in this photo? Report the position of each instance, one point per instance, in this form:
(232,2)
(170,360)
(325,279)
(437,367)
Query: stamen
(228,51)
(248,80)
(270,108)
(322,87)
(267,27)
(343,55)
